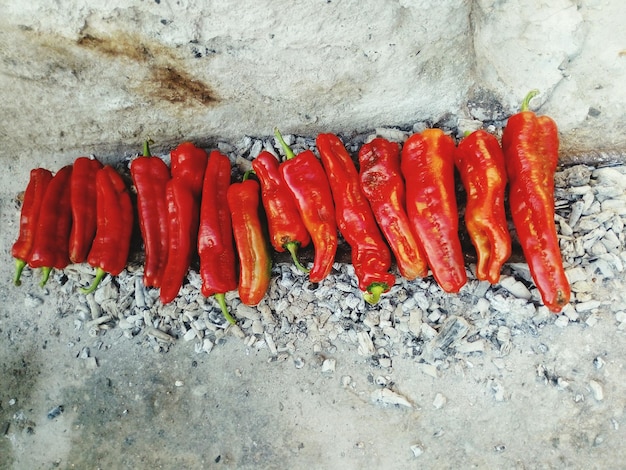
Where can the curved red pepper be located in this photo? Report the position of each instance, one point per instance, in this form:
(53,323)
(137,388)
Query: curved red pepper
(215,236)
(531,149)
(188,164)
(480,162)
(83,202)
(383,185)
(371,257)
(29,219)
(427,164)
(52,237)
(286,228)
(150,176)
(255,262)
(306,179)
(114,210)
(183,220)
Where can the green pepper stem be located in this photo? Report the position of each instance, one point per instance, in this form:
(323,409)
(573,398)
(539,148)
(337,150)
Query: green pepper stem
(20,264)
(100,273)
(45,275)
(374,291)
(526,103)
(292,247)
(146,148)
(247,174)
(221,300)
(288,152)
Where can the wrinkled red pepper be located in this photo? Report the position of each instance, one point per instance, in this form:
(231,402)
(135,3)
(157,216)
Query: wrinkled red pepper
(371,257)
(83,202)
(255,262)
(383,185)
(114,227)
(218,265)
(531,149)
(52,237)
(29,219)
(427,164)
(306,179)
(188,164)
(150,176)
(480,162)
(286,228)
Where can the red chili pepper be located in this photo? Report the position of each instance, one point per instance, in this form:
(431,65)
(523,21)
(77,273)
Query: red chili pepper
(383,185)
(286,228)
(29,219)
(150,176)
(480,162)
(254,257)
(306,179)
(188,164)
(52,236)
(183,221)
(371,257)
(114,228)
(83,202)
(531,149)
(218,264)
(427,165)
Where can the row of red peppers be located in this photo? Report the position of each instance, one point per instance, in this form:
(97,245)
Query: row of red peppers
(400,202)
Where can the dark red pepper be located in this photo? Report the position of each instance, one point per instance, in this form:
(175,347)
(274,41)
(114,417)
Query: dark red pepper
(52,237)
(29,219)
(286,228)
(383,185)
(427,164)
(114,210)
(531,150)
(255,262)
(306,179)
(83,202)
(188,164)
(371,257)
(480,162)
(218,265)
(150,176)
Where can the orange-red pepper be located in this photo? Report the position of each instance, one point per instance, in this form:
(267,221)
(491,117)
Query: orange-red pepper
(114,227)
(150,176)
(306,179)
(383,185)
(29,219)
(427,164)
(52,237)
(371,257)
(480,162)
(83,202)
(531,150)
(255,262)
(215,236)
(286,228)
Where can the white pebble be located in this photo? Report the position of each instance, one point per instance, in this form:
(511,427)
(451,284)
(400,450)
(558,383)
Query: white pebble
(596,390)
(388,397)
(329,365)
(561,321)
(417,450)
(515,287)
(439,401)
(587,306)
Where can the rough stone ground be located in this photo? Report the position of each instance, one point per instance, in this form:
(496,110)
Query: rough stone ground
(314,378)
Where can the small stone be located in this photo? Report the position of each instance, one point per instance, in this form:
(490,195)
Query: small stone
(384,362)
(439,401)
(561,321)
(298,362)
(596,390)
(587,306)
(389,397)
(329,365)
(515,287)
(417,450)
(179,383)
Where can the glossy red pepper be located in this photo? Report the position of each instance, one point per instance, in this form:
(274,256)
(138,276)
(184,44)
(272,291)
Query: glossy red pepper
(306,179)
(218,265)
(427,164)
(531,150)
(480,162)
(255,262)
(371,257)
(150,176)
(383,185)
(29,219)
(52,237)
(114,227)
(183,220)
(188,164)
(83,202)
(286,228)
